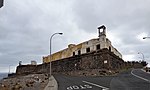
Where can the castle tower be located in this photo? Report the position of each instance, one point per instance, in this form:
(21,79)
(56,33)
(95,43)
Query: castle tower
(102,33)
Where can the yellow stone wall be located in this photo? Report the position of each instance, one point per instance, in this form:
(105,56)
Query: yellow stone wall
(62,54)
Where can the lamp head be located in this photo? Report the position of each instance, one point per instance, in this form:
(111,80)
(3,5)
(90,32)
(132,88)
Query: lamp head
(144,37)
(60,33)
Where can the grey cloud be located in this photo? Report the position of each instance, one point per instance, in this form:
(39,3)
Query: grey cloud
(113,13)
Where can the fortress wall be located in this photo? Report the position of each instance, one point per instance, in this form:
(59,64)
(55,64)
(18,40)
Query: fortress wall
(97,60)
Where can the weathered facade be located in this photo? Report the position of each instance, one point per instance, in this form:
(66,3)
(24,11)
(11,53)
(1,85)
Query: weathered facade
(86,64)
(85,47)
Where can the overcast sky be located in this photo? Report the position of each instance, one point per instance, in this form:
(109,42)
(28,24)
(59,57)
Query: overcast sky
(26,26)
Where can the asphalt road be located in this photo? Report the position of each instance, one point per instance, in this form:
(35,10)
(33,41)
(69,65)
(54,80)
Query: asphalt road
(135,79)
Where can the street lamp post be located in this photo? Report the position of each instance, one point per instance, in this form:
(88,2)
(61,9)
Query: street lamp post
(146,38)
(50,52)
(142,55)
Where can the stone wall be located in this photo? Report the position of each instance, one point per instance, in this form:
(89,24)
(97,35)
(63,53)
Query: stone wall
(79,63)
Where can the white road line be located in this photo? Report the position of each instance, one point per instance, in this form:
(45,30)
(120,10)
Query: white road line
(139,77)
(145,71)
(104,88)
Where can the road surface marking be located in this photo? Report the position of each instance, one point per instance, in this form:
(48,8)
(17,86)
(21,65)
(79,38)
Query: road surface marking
(79,87)
(145,71)
(104,88)
(139,77)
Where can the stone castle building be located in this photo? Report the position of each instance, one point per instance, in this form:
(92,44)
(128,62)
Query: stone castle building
(85,47)
(94,57)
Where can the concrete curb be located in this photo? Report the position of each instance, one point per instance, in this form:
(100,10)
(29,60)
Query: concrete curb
(52,84)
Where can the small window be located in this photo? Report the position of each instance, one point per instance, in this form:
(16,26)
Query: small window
(79,52)
(87,50)
(98,47)
(73,53)
(110,49)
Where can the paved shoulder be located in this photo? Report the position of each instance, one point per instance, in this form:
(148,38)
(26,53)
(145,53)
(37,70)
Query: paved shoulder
(52,84)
